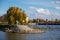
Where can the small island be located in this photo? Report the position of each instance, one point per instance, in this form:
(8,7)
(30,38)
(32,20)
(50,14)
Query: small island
(16,21)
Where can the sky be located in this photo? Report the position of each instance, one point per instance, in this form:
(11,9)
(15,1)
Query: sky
(44,9)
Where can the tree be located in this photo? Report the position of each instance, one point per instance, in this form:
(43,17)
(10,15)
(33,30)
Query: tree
(15,14)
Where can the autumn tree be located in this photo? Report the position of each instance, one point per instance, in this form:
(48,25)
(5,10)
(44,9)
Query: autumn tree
(15,14)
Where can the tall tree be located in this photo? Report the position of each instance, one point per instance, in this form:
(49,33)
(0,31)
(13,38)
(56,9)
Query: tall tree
(15,14)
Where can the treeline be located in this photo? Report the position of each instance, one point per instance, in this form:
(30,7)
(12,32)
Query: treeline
(42,21)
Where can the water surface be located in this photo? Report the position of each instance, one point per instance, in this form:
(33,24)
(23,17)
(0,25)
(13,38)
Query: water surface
(52,34)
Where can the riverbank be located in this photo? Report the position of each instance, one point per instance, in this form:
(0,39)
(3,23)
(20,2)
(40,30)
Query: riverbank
(6,28)
(20,29)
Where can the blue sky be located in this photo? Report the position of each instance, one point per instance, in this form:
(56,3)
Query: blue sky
(45,9)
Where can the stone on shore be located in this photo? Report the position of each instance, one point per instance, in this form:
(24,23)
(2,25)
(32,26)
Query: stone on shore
(26,29)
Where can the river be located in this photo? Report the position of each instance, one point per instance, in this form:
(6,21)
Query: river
(52,34)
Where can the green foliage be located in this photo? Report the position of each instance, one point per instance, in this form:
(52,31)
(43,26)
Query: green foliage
(15,14)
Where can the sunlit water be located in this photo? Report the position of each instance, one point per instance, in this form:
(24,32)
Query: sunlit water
(53,33)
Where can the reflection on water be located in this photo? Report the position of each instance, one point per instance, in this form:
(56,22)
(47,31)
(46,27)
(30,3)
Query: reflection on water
(52,34)
(3,36)
(15,36)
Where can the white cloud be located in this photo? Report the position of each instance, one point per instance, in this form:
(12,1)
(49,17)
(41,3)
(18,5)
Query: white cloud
(55,2)
(31,7)
(57,7)
(57,14)
(41,10)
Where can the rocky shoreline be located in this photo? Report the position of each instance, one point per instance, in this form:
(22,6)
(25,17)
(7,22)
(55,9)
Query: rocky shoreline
(23,29)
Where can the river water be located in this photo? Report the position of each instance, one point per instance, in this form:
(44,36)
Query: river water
(53,33)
